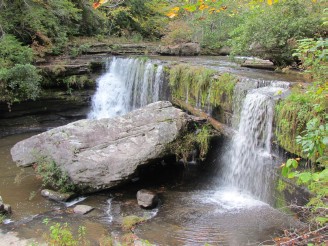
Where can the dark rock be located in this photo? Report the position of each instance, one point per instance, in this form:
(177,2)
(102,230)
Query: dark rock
(2,208)
(57,196)
(147,198)
(82,209)
(7,208)
(99,154)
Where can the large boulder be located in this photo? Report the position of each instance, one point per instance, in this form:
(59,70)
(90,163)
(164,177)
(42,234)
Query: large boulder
(99,154)
(185,49)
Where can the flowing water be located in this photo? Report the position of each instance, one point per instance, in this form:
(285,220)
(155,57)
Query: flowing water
(229,205)
(128,84)
(249,163)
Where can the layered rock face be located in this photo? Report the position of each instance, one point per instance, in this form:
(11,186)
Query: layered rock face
(99,154)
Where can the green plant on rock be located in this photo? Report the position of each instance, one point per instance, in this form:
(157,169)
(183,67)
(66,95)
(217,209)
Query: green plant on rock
(53,176)
(2,218)
(293,113)
(200,86)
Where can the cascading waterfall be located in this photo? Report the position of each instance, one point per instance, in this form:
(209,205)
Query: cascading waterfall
(128,84)
(249,163)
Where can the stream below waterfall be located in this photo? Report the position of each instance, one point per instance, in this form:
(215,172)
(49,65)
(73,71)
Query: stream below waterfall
(229,200)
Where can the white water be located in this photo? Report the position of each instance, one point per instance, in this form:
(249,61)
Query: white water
(249,163)
(127,84)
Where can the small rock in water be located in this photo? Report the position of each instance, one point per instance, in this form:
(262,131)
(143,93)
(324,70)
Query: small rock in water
(7,208)
(57,196)
(82,209)
(4,208)
(147,198)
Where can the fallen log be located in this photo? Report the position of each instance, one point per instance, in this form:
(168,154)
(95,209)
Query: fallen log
(222,128)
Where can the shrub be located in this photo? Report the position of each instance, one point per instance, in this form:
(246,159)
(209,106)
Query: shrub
(18,83)
(13,52)
(53,176)
(271,31)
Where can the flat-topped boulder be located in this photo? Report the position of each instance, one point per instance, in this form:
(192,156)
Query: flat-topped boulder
(185,49)
(99,154)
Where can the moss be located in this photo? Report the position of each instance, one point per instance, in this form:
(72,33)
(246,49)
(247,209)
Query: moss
(129,222)
(78,81)
(200,86)
(292,114)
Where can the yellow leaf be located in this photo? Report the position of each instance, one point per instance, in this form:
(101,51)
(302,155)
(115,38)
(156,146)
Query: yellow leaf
(176,9)
(171,15)
(270,2)
(203,6)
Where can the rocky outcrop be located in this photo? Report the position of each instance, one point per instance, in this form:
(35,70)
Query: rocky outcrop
(186,49)
(258,63)
(99,154)
(147,198)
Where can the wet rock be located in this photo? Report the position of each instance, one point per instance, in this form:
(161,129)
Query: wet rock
(258,63)
(186,49)
(147,198)
(4,208)
(99,154)
(82,209)
(57,196)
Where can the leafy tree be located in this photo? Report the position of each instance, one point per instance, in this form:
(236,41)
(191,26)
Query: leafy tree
(19,80)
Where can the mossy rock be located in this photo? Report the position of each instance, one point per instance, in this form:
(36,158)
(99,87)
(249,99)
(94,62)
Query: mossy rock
(131,221)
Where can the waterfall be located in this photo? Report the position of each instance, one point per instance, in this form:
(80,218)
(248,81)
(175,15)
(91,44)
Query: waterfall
(127,84)
(249,163)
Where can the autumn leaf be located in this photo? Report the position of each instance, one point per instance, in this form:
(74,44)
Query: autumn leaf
(99,3)
(171,15)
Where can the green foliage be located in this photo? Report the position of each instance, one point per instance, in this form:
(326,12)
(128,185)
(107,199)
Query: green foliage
(271,31)
(314,57)
(314,141)
(62,235)
(128,222)
(187,143)
(2,218)
(178,31)
(18,83)
(53,176)
(293,113)
(13,52)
